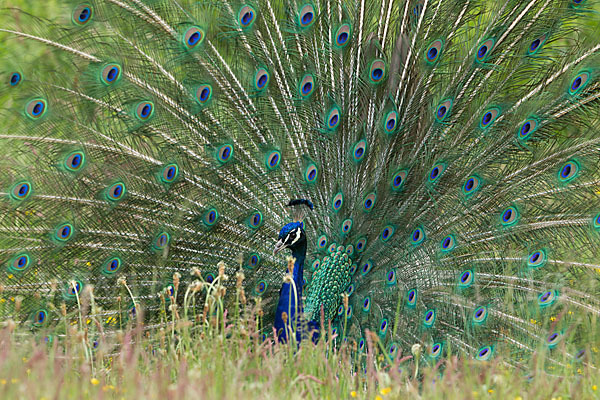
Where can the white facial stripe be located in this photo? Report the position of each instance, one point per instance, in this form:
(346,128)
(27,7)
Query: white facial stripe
(297,236)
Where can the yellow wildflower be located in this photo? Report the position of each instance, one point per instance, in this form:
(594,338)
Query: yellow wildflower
(14,380)
(385,391)
(490,391)
(378,398)
(594,388)
(94,381)
(353,393)
(3,381)
(518,398)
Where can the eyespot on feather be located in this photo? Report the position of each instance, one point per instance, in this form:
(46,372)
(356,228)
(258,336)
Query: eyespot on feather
(343,35)
(203,94)
(484,50)
(193,37)
(36,108)
(261,79)
(82,14)
(377,71)
(110,74)
(306,86)
(434,51)
(246,16)
(144,110)
(306,16)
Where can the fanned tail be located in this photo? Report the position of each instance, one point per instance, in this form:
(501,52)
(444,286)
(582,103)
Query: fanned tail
(449,147)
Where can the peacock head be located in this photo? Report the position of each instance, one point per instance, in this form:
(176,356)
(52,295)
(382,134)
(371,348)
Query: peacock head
(291,237)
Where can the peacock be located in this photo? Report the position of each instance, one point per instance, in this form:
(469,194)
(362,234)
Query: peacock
(417,171)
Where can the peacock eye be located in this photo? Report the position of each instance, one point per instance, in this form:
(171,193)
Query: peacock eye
(484,353)
(361,244)
(377,71)
(435,172)
(342,35)
(116,191)
(489,117)
(211,216)
(346,226)
(144,110)
(169,173)
(246,16)
(509,216)
(436,350)
(568,171)
(36,108)
(480,315)
(484,50)
(433,52)
(82,14)
(536,45)
(337,201)
(307,86)
(429,318)
(417,236)
(21,190)
(389,123)
(359,150)
(387,233)
(225,153)
(261,79)
(448,243)
(366,268)
(369,202)
(537,259)
(547,298)
(260,288)
(15,79)
(466,279)
(322,241)
(443,110)
(306,16)
(193,37)
(391,277)
(63,232)
(203,94)
(273,159)
(471,185)
(161,241)
(332,120)
(255,220)
(110,74)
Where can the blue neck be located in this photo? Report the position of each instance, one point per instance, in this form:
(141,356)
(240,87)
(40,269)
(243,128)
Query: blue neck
(299,254)
(287,300)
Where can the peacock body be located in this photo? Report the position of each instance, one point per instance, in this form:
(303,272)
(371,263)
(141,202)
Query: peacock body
(450,149)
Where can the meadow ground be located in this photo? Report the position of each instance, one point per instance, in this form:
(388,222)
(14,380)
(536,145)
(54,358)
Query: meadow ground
(219,354)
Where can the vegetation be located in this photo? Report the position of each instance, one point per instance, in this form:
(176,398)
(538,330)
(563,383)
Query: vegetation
(220,354)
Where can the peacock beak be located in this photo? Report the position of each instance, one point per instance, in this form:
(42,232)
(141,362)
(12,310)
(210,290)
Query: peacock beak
(280,245)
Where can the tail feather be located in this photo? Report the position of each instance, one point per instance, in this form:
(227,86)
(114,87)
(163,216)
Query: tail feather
(449,149)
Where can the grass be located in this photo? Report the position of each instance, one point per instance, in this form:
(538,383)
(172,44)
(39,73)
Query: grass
(219,354)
